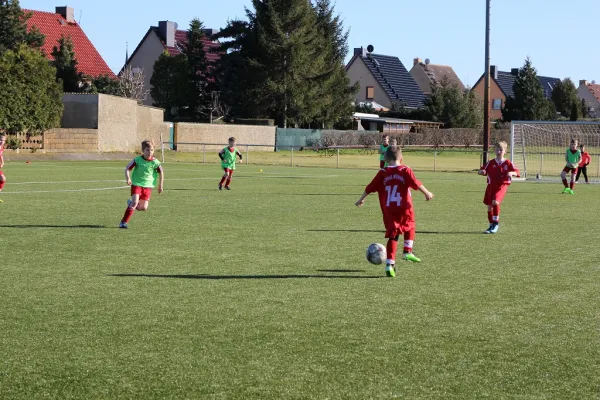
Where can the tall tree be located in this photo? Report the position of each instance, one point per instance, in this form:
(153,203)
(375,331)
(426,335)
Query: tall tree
(13,27)
(66,66)
(584,109)
(106,84)
(199,100)
(131,84)
(529,102)
(455,107)
(30,97)
(563,97)
(575,110)
(170,87)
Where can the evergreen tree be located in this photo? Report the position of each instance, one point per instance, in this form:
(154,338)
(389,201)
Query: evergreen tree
(66,66)
(30,97)
(198,102)
(106,84)
(452,106)
(529,102)
(170,86)
(575,109)
(563,97)
(584,109)
(13,27)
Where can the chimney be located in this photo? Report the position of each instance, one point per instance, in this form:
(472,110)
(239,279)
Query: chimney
(494,71)
(514,71)
(67,13)
(416,61)
(583,82)
(167,32)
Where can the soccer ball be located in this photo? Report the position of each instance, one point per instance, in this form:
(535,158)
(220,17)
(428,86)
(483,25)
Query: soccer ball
(376,254)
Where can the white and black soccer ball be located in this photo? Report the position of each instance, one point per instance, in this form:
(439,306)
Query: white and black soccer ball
(376,254)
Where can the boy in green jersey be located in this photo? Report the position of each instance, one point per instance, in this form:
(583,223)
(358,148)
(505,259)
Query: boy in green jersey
(572,157)
(142,174)
(382,148)
(227,156)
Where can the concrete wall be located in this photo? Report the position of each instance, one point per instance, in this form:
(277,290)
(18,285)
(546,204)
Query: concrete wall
(71,140)
(81,111)
(219,134)
(145,57)
(150,125)
(495,93)
(358,72)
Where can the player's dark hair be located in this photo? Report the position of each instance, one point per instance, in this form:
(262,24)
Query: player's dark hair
(147,143)
(393,153)
(232,139)
(573,140)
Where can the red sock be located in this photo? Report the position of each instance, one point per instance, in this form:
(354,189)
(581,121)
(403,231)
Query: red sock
(409,238)
(2,184)
(496,214)
(565,183)
(222,180)
(572,185)
(490,217)
(392,247)
(128,213)
(228,181)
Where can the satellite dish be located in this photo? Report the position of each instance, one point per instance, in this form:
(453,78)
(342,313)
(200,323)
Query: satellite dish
(370,48)
(427,61)
(593,82)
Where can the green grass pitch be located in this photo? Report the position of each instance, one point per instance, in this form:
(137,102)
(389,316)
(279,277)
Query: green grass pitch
(264,292)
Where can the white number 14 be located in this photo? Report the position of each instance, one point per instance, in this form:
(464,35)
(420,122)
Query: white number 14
(393,196)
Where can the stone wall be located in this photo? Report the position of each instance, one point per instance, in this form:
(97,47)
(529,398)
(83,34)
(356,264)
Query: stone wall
(71,140)
(220,133)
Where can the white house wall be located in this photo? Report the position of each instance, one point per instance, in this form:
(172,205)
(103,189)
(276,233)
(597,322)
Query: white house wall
(358,72)
(145,57)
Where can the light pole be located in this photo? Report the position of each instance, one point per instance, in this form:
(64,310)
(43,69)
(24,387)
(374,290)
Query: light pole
(486,93)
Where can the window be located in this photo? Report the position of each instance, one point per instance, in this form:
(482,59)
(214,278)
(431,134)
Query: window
(497,104)
(370,92)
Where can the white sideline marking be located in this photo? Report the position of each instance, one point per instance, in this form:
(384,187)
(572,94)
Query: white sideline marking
(66,190)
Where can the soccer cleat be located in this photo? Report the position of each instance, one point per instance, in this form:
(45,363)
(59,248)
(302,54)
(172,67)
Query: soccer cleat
(227,187)
(566,191)
(390,270)
(488,229)
(220,187)
(494,228)
(571,191)
(123,225)
(411,257)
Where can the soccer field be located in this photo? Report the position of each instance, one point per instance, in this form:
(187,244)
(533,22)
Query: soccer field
(263,292)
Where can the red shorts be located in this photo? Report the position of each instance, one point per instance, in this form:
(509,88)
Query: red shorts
(228,171)
(572,170)
(494,193)
(144,193)
(398,222)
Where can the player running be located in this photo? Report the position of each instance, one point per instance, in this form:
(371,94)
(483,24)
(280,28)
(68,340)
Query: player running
(572,158)
(227,156)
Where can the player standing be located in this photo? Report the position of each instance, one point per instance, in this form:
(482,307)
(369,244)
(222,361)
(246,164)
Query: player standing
(499,172)
(2,177)
(227,156)
(393,185)
(382,148)
(142,174)
(585,161)
(572,157)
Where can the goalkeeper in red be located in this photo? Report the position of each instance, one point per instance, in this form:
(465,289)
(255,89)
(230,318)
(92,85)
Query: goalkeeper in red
(227,156)
(393,184)
(572,158)
(499,172)
(142,175)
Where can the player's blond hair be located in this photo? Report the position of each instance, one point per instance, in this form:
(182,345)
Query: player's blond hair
(393,153)
(147,143)
(503,145)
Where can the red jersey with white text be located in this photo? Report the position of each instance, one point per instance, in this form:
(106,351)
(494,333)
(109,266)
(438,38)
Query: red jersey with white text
(393,186)
(497,172)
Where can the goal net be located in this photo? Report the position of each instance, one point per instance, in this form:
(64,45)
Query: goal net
(537,148)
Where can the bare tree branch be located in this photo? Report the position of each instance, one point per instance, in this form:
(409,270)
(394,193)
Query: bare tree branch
(131,84)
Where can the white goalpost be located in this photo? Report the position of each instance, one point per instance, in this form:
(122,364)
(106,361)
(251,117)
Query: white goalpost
(537,148)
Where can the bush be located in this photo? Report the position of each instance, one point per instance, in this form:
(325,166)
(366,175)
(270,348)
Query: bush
(13,143)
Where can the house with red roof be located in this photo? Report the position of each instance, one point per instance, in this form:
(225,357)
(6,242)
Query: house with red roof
(54,25)
(165,37)
(590,92)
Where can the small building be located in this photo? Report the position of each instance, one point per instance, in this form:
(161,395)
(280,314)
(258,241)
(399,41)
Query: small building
(161,38)
(383,79)
(501,87)
(590,92)
(373,122)
(54,25)
(428,75)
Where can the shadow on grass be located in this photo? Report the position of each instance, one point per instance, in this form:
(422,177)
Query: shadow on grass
(55,226)
(347,230)
(316,194)
(227,277)
(341,271)
(447,233)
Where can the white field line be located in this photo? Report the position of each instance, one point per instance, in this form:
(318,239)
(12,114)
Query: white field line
(66,190)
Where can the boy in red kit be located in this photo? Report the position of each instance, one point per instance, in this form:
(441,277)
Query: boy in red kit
(2,177)
(585,161)
(499,172)
(393,185)
(227,156)
(141,174)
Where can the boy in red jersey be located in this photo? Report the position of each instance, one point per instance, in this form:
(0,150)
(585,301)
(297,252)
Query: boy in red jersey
(393,185)
(2,177)
(499,172)
(146,170)
(585,161)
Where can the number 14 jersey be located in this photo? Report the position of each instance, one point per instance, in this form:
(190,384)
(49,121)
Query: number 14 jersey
(393,185)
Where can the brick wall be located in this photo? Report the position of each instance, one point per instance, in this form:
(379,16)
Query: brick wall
(71,140)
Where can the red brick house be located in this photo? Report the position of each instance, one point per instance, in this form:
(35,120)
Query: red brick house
(54,25)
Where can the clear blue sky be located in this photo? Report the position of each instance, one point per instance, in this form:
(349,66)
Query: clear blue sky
(561,38)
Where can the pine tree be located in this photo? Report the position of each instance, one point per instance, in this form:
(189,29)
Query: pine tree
(13,28)
(563,97)
(198,103)
(105,84)
(529,102)
(170,86)
(575,109)
(456,108)
(66,66)
(584,109)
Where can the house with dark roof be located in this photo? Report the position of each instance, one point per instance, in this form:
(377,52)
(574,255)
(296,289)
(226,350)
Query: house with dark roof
(501,87)
(590,92)
(428,75)
(383,79)
(54,25)
(161,38)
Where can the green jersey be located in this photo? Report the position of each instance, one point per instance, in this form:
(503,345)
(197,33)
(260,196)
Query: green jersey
(382,150)
(145,172)
(573,158)
(228,160)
